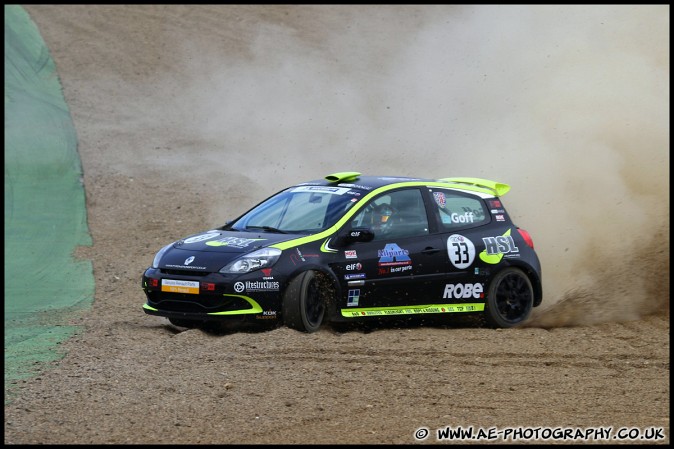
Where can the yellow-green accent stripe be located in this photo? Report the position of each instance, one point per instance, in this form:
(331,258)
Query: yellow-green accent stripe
(412,310)
(255,307)
(331,230)
(325,249)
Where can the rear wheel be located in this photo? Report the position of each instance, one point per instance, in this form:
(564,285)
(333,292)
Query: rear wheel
(304,302)
(510,298)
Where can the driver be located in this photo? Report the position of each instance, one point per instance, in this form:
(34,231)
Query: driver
(381,218)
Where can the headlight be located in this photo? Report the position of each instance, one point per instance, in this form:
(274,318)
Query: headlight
(157,258)
(262,258)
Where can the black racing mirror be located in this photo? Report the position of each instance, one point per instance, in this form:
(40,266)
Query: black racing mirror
(354,235)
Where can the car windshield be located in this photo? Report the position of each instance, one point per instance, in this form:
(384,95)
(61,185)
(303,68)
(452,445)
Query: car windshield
(299,210)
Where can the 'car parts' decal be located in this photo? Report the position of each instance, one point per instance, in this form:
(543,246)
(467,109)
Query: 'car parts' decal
(497,247)
(392,254)
(461,251)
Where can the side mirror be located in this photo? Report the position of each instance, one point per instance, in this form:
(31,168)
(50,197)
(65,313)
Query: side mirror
(347,236)
(360,235)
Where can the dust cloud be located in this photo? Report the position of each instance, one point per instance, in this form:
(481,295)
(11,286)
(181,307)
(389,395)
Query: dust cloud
(568,104)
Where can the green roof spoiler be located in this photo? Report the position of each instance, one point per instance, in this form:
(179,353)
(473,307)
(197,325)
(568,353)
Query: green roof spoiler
(344,176)
(497,188)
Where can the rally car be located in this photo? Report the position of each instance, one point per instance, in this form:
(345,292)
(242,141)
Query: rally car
(350,247)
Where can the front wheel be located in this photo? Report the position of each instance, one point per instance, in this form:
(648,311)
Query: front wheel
(510,298)
(304,302)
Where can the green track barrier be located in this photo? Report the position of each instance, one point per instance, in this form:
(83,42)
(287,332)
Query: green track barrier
(45,215)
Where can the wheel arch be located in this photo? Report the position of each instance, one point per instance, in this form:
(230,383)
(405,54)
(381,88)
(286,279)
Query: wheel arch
(327,274)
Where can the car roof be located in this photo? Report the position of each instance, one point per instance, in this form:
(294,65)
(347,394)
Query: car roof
(357,180)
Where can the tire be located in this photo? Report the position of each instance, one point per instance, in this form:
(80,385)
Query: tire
(510,299)
(304,303)
(182,322)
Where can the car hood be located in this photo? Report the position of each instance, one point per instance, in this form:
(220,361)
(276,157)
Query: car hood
(211,250)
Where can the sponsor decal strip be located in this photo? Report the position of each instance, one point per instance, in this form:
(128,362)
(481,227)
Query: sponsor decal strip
(412,310)
(175,286)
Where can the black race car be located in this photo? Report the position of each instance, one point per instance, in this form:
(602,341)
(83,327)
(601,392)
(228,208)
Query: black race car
(350,247)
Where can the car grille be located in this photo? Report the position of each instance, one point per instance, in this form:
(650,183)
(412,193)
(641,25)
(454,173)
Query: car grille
(180,302)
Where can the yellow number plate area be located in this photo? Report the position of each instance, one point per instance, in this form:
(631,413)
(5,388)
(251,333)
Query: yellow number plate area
(435,308)
(173,286)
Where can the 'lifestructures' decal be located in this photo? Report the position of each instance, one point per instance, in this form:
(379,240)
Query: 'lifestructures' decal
(202,237)
(497,247)
(235,242)
(461,251)
(257,286)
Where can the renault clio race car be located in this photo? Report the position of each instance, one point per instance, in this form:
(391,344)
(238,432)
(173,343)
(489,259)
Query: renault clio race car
(350,247)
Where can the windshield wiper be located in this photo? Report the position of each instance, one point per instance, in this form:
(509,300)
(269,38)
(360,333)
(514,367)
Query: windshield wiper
(266,228)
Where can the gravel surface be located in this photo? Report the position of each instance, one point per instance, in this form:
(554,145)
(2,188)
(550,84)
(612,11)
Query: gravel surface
(188,115)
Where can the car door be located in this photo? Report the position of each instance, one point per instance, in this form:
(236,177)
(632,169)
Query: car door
(470,231)
(404,263)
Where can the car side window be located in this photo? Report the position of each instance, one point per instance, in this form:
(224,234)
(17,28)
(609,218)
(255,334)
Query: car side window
(396,214)
(459,211)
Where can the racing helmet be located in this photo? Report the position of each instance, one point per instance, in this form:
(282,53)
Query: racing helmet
(382,215)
